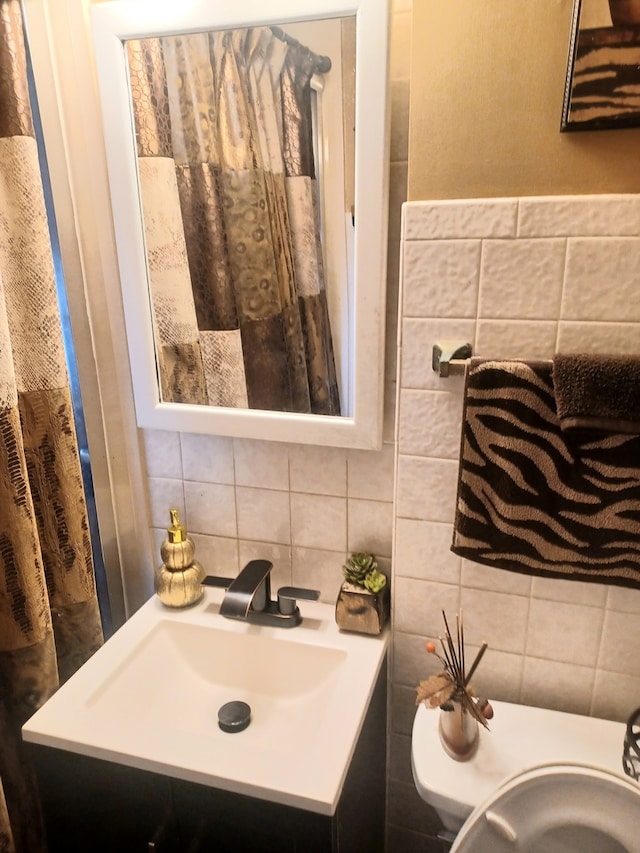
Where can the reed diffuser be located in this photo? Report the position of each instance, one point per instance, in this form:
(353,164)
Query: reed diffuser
(451,691)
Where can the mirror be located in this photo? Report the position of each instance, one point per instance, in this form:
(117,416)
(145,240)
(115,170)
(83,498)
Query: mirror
(251,229)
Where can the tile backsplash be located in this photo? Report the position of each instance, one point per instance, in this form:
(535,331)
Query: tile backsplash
(517,278)
(303,507)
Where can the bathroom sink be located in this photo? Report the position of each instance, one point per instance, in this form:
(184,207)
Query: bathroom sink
(150,699)
(186,672)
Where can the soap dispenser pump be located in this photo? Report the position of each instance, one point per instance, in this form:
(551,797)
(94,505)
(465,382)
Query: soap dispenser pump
(178,581)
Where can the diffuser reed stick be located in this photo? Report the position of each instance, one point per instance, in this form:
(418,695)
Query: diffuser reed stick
(453,683)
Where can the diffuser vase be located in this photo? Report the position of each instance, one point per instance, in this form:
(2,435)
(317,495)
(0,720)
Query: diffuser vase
(458,731)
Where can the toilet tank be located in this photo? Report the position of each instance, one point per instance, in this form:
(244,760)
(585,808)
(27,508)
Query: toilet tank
(520,737)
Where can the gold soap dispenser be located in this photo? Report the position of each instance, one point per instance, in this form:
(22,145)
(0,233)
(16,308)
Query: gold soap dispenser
(178,581)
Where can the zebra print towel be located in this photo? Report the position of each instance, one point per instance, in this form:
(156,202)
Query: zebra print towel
(534,499)
(600,393)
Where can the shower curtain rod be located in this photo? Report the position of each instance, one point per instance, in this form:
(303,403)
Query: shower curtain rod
(322,63)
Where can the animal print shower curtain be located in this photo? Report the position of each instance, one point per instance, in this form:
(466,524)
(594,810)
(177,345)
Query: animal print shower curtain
(49,618)
(227,180)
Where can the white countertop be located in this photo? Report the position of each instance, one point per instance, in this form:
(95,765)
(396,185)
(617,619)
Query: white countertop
(149,699)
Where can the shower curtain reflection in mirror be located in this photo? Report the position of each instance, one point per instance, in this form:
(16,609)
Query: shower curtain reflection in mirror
(228,192)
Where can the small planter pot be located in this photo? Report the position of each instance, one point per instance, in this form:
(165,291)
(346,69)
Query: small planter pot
(362,611)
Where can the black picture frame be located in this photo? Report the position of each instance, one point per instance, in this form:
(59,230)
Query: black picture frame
(602,86)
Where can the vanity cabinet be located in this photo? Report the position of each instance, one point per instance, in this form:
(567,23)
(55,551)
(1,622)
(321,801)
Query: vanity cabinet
(102,806)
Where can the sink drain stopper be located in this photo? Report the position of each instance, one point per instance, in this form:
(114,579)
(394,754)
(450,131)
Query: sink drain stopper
(234,716)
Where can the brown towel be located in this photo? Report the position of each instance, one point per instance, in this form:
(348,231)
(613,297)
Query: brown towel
(597,393)
(534,499)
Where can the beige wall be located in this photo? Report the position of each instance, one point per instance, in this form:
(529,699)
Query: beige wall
(487,81)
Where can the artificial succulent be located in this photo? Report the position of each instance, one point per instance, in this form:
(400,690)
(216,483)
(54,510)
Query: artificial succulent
(362,570)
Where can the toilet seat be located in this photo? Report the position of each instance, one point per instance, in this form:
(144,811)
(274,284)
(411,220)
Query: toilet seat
(556,808)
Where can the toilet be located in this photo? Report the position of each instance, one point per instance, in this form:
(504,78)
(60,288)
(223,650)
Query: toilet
(541,781)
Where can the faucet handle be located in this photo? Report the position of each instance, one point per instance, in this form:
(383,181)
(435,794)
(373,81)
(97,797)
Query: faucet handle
(214,580)
(287,596)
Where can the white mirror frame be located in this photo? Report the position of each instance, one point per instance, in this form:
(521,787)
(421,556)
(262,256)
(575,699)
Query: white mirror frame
(120,20)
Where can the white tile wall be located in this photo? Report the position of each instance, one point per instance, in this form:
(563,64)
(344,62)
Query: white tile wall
(531,339)
(444,278)
(578,216)
(208,459)
(302,507)
(517,278)
(530,276)
(601,281)
(521,278)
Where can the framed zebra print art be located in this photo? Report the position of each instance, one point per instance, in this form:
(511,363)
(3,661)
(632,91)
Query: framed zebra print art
(602,86)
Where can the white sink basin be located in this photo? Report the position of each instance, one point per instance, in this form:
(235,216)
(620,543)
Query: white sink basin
(203,667)
(150,699)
